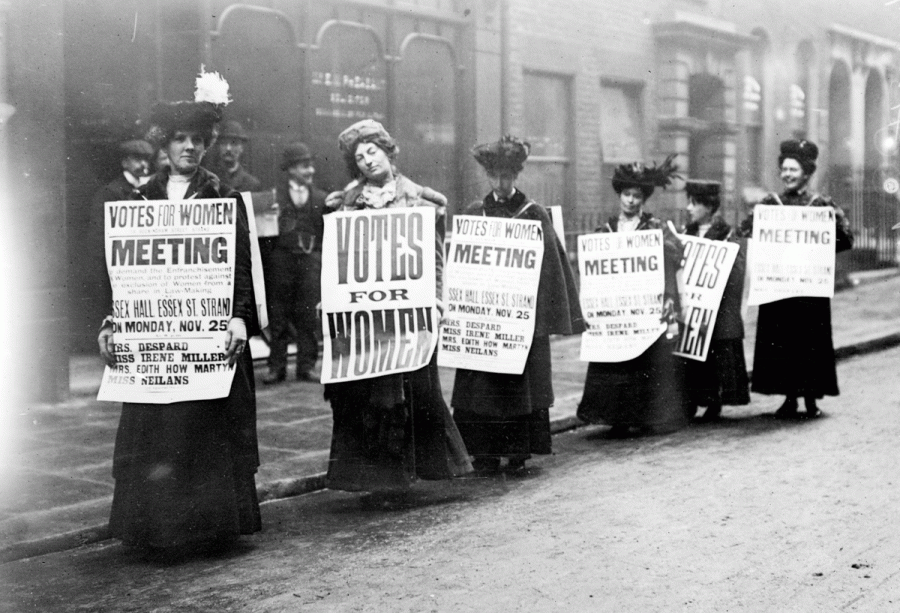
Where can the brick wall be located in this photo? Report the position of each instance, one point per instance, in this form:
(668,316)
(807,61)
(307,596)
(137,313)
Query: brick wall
(588,41)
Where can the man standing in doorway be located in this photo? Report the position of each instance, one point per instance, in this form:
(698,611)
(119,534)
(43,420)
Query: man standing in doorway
(296,266)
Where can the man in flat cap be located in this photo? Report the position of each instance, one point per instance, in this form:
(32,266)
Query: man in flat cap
(296,266)
(227,166)
(135,156)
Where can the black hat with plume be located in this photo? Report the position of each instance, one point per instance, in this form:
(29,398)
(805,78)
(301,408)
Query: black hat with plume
(201,115)
(645,178)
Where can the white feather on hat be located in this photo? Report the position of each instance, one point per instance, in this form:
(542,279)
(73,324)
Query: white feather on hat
(211,87)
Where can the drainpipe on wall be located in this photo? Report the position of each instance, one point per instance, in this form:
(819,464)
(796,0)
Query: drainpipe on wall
(504,66)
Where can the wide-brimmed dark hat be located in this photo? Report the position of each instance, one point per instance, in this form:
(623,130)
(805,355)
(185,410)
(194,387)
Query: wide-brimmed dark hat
(136,148)
(804,151)
(645,178)
(704,192)
(294,154)
(702,189)
(233,129)
(506,155)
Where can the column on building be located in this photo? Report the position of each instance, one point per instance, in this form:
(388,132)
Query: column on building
(34,174)
(862,140)
(698,98)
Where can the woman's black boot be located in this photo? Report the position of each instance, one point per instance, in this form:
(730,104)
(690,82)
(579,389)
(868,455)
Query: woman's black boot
(788,409)
(712,413)
(812,411)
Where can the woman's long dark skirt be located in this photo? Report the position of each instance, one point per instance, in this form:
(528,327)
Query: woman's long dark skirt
(378,449)
(794,353)
(502,415)
(722,379)
(185,472)
(644,392)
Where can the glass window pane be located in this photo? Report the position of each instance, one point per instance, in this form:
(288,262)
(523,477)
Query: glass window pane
(547,114)
(547,119)
(754,154)
(257,54)
(426,115)
(621,124)
(544,182)
(706,97)
(347,83)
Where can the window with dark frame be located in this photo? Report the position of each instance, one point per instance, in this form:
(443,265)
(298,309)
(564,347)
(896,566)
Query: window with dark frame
(621,122)
(548,128)
(753,98)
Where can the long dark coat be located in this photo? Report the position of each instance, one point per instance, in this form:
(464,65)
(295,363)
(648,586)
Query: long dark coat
(295,271)
(794,352)
(722,378)
(96,294)
(391,430)
(185,471)
(647,391)
(502,414)
(239,181)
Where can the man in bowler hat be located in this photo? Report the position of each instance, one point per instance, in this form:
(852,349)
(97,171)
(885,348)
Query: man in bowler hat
(296,266)
(229,149)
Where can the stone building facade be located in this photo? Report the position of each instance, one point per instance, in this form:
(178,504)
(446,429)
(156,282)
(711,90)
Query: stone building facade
(720,84)
(590,83)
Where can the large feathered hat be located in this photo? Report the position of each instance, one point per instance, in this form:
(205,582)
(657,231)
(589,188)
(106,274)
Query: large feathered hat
(804,151)
(645,178)
(202,114)
(507,154)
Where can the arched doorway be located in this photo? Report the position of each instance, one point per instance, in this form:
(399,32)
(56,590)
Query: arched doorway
(874,232)
(256,51)
(838,177)
(426,85)
(706,102)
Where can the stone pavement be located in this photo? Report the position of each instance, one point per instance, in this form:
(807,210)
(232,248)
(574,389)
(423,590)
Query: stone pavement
(56,483)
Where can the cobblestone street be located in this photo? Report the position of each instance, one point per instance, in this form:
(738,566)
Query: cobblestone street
(749,515)
(60,478)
